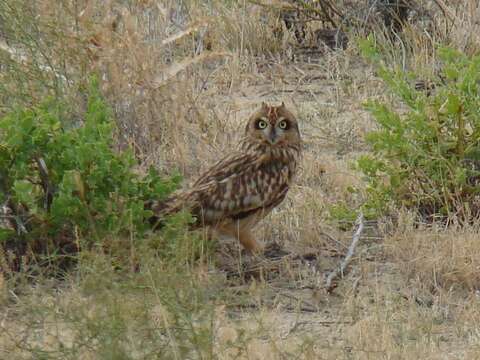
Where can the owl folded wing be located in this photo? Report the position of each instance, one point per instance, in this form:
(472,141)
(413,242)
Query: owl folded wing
(237,189)
(234,188)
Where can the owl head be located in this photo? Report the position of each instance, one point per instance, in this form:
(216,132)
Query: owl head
(273,126)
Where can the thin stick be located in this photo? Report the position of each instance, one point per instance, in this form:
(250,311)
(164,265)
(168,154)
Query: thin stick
(329,285)
(191,29)
(44,177)
(174,69)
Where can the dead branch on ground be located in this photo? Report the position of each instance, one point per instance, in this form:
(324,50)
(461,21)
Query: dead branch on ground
(329,284)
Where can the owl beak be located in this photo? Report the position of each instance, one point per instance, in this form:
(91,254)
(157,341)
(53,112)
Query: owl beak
(272,137)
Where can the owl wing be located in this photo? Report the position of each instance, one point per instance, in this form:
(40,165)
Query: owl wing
(236,186)
(197,198)
(236,163)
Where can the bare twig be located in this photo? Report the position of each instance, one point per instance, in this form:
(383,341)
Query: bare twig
(177,36)
(47,186)
(329,285)
(174,69)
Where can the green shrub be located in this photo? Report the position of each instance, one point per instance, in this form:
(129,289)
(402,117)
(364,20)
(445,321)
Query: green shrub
(426,157)
(66,182)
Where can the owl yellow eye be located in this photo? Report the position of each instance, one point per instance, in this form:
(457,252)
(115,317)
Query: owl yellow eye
(283,124)
(261,124)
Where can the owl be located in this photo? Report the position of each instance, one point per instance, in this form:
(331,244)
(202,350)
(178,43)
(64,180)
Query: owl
(233,195)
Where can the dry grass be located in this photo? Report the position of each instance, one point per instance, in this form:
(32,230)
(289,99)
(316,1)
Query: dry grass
(438,260)
(181,78)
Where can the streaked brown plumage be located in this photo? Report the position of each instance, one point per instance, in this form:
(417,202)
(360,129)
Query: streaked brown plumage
(242,188)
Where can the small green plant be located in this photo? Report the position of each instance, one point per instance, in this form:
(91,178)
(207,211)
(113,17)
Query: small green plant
(427,156)
(66,183)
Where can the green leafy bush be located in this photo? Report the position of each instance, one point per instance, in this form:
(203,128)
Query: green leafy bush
(427,156)
(65,183)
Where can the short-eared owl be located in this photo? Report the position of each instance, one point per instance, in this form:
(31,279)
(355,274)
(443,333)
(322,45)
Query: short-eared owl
(238,191)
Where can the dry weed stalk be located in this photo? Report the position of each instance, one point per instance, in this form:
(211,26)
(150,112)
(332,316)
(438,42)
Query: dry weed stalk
(173,70)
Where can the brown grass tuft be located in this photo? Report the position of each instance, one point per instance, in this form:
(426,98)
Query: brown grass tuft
(439,259)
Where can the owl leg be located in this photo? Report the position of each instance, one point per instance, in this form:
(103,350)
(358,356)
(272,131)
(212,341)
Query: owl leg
(243,235)
(248,241)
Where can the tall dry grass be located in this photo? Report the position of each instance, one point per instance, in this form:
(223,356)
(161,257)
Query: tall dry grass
(160,64)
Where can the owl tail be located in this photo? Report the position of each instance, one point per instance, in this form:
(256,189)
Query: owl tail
(162,209)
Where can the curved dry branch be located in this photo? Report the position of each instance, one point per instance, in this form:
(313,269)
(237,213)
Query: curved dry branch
(329,284)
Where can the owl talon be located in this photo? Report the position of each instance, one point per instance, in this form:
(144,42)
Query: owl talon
(274,251)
